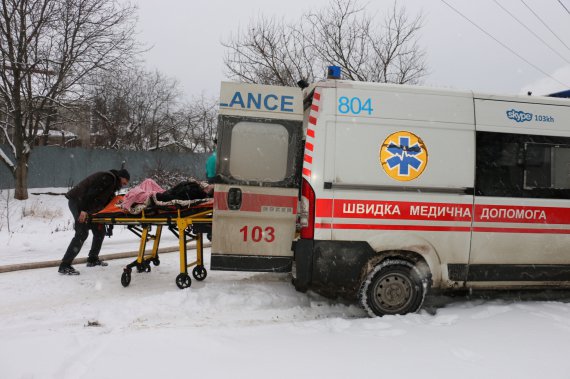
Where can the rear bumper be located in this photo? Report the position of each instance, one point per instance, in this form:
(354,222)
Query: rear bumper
(253,263)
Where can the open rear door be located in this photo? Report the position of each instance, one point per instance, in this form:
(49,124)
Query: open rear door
(260,135)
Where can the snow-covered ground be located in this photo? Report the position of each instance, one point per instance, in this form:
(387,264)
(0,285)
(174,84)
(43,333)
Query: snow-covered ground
(239,325)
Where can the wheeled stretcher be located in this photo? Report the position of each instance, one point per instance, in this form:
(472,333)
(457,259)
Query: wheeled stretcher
(187,222)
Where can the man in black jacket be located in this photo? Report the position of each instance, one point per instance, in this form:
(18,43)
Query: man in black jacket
(90,196)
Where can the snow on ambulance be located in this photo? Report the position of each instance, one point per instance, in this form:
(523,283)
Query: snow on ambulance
(394,189)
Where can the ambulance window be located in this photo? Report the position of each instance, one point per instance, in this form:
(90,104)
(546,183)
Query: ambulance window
(546,166)
(259,152)
(499,170)
(521,165)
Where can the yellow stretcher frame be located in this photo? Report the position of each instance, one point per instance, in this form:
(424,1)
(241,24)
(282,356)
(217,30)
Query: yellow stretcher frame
(193,226)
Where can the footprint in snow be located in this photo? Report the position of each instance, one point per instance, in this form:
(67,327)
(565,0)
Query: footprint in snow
(445,320)
(466,355)
(491,311)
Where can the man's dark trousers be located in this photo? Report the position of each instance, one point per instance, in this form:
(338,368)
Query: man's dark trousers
(81,233)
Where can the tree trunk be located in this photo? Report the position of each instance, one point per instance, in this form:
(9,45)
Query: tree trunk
(21,178)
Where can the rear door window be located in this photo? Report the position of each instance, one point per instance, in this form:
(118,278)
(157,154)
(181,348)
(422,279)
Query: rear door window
(259,152)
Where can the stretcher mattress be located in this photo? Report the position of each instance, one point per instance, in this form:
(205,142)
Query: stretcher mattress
(176,209)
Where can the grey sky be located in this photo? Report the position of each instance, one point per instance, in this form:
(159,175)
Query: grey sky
(186,36)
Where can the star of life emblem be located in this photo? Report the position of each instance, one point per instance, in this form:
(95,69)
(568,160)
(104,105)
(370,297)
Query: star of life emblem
(403,156)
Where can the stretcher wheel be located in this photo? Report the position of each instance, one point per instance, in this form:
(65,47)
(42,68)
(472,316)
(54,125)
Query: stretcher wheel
(183,281)
(126,277)
(143,267)
(199,273)
(156,261)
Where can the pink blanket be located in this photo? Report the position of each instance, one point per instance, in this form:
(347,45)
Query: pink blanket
(140,194)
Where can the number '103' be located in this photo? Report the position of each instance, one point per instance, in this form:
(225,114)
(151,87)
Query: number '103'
(257,234)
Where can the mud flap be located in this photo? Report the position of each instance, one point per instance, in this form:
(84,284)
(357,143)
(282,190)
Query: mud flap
(303,258)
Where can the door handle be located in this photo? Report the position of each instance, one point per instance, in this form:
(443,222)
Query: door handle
(234,199)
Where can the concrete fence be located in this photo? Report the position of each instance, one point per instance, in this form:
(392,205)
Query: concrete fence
(52,166)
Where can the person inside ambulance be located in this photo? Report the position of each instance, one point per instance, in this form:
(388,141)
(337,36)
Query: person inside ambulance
(211,164)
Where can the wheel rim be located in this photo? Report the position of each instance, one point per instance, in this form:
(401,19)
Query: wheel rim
(393,292)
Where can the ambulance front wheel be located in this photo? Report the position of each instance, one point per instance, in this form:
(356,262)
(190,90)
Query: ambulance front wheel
(393,287)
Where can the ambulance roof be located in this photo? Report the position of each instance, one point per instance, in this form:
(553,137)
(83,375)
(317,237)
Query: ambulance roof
(436,91)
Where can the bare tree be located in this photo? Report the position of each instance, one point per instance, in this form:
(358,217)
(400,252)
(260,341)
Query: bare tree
(139,110)
(133,109)
(197,125)
(271,51)
(48,48)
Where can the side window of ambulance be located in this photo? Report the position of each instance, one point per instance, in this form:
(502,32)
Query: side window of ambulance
(259,151)
(547,166)
(499,165)
(520,165)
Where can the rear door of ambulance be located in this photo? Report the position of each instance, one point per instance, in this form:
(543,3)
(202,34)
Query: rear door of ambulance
(260,140)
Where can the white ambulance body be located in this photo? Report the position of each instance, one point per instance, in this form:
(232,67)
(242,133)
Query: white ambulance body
(401,189)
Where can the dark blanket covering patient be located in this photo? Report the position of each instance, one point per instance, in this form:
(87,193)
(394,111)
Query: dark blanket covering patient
(188,190)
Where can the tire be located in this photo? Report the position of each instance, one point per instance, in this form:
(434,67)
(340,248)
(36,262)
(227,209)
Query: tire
(126,278)
(394,287)
(199,273)
(183,281)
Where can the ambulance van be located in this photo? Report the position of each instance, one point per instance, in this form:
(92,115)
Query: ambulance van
(380,192)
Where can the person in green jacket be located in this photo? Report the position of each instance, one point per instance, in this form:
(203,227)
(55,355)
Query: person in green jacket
(211,164)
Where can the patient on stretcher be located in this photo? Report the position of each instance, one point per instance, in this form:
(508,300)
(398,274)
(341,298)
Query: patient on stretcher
(149,193)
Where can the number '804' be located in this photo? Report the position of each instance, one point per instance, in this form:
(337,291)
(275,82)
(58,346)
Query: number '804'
(354,105)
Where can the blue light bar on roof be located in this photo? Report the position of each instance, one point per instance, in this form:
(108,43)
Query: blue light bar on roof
(333,72)
(565,94)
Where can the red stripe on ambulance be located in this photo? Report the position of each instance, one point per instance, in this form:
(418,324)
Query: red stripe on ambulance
(424,228)
(441,212)
(520,230)
(253,202)
(402,210)
(521,214)
(437,228)
(370,209)
(309,147)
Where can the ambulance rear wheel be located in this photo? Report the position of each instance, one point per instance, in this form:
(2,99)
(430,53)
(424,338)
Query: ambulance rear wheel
(183,281)
(394,287)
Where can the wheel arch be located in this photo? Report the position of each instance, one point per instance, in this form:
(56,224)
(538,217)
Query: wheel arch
(414,249)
